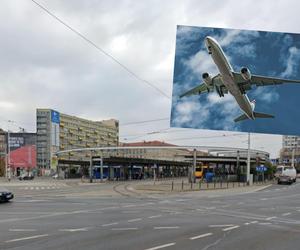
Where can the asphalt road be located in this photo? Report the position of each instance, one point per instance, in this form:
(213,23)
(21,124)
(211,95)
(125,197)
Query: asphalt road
(75,217)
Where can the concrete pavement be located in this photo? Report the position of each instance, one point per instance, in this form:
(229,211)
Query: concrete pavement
(75,217)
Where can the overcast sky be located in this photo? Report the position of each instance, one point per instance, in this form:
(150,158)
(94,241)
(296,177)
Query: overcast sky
(43,64)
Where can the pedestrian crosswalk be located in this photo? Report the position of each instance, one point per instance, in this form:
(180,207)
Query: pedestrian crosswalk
(43,187)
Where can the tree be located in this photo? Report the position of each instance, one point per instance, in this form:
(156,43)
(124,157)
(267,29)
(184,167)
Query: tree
(2,166)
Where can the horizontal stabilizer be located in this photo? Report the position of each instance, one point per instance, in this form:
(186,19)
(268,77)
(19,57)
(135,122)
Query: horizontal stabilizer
(262,115)
(241,118)
(256,115)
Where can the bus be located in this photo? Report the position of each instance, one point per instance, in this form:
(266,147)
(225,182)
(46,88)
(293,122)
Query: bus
(201,170)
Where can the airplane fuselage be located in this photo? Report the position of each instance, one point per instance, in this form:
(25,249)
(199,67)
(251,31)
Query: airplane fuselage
(226,70)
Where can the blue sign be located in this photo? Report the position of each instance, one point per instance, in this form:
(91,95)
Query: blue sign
(261,168)
(55,117)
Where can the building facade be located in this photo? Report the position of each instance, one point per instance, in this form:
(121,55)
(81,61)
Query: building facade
(290,150)
(57,131)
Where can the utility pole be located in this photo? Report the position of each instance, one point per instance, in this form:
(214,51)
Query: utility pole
(91,166)
(194,165)
(101,168)
(8,170)
(248,160)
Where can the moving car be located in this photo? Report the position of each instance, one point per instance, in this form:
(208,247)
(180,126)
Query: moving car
(286,174)
(5,195)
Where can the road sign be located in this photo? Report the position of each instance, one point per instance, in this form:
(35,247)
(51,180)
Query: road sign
(261,168)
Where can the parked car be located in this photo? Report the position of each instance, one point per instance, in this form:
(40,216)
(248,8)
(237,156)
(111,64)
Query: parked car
(26,177)
(5,195)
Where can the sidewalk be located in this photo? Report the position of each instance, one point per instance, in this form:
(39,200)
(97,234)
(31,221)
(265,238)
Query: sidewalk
(185,186)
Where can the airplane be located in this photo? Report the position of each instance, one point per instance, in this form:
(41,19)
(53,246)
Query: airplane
(235,83)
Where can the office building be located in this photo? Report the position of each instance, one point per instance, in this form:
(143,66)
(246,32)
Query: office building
(57,131)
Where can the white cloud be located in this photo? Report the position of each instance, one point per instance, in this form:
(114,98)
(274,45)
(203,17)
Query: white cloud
(266,95)
(292,62)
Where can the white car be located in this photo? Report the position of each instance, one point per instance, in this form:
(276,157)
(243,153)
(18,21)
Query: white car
(286,174)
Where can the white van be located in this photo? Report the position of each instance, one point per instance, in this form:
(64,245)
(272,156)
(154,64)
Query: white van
(286,174)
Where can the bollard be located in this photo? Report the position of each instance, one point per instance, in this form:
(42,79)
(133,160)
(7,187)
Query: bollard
(207,184)
(172,185)
(191,185)
(182,185)
(233,184)
(214,184)
(227,183)
(200,184)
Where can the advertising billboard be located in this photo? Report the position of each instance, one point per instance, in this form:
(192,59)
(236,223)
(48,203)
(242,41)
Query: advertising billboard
(236,80)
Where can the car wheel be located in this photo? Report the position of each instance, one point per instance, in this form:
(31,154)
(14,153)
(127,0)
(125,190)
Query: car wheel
(279,182)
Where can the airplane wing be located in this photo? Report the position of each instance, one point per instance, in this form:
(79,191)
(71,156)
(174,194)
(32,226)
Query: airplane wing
(202,88)
(260,81)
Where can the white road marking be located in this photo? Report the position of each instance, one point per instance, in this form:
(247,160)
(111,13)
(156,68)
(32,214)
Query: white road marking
(155,216)
(230,228)
(200,236)
(110,224)
(161,246)
(264,199)
(228,225)
(265,223)
(286,214)
(21,230)
(270,218)
(246,223)
(129,205)
(158,228)
(84,229)
(130,212)
(124,229)
(28,238)
(133,220)
(254,222)
(223,206)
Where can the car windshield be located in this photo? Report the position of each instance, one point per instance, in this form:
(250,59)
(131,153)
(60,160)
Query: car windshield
(288,168)
(279,170)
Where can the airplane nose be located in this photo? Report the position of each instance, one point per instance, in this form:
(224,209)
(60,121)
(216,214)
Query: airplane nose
(208,44)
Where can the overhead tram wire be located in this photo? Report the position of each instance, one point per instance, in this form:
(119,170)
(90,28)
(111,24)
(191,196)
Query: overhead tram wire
(100,49)
(145,121)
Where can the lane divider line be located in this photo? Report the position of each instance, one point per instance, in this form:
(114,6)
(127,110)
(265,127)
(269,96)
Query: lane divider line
(200,236)
(161,246)
(229,228)
(27,238)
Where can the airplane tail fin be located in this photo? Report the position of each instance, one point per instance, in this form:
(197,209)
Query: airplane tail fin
(256,115)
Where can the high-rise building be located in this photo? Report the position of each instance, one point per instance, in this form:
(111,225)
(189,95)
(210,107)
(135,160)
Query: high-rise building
(57,131)
(290,149)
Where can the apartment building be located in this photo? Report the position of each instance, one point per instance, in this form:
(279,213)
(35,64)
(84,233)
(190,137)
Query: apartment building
(57,131)
(290,149)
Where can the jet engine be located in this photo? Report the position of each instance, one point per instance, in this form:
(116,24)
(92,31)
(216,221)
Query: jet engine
(246,74)
(207,80)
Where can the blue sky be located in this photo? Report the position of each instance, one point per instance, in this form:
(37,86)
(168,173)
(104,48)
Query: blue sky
(263,53)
